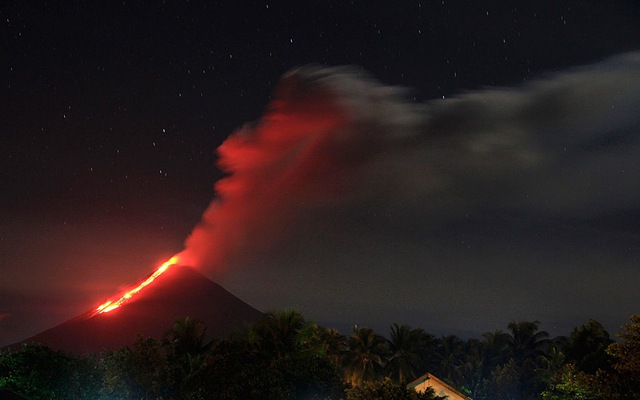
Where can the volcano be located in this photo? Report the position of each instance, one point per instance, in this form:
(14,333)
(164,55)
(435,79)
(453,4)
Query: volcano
(179,292)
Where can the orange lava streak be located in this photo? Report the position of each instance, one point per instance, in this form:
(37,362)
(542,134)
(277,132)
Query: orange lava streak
(113,304)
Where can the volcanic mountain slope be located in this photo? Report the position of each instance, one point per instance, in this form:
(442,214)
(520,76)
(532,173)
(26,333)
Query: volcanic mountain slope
(179,292)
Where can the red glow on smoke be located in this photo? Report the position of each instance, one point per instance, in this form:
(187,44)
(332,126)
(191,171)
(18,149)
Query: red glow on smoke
(289,160)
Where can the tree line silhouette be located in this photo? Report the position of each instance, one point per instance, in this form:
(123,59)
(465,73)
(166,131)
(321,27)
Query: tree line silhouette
(286,356)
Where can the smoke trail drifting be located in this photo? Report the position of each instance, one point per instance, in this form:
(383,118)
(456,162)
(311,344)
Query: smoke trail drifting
(335,147)
(311,151)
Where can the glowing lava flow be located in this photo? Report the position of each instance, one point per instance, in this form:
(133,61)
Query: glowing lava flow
(113,304)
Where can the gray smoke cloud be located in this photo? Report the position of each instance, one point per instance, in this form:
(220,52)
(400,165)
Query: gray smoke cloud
(344,185)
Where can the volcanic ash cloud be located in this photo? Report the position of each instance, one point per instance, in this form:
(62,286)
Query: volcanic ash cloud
(337,149)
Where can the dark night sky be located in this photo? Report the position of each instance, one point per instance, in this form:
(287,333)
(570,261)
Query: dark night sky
(111,115)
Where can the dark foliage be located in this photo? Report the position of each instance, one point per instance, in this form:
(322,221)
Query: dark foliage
(284,356)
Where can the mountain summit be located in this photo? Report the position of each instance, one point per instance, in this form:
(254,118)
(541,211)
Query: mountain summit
(179,292)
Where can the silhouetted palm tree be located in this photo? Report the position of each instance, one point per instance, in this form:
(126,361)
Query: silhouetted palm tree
(526,346)
(526,341)
(404,346)
(495,346)
(550,365)
(366,356)
(189,336)
(281,333)
(449,352)
(188,340)
(334,345)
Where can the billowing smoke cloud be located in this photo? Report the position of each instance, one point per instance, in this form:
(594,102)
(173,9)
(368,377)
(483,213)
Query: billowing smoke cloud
(335,145)
(345,195)
(316,151)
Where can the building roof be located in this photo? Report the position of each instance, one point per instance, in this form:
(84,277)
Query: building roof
(440,387)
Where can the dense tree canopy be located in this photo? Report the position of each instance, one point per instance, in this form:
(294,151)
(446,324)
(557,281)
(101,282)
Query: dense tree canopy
(626,355)
(285,356)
